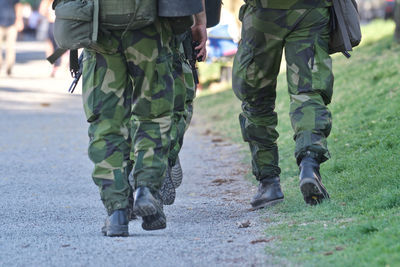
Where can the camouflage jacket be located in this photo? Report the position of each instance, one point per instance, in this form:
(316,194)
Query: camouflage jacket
(290,4)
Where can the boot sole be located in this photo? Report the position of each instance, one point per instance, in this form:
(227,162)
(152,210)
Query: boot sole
(176,174)
(267,204)
(145,210)
(121,230)
(313,192)
(158,224)
(167,191)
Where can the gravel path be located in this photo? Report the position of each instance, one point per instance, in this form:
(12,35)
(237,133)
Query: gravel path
(50,209)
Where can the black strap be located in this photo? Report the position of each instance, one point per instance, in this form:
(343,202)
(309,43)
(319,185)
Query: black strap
(56,55)
(73,62)
(73,59)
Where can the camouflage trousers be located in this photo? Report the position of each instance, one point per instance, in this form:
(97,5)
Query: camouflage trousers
(303,35)
(184,93)
(128,101)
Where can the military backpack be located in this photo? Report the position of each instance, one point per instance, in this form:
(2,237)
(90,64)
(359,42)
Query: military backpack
(78,21)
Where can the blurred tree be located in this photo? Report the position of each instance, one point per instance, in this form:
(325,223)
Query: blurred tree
(397,21)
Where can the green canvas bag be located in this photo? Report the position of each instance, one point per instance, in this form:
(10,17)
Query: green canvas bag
(78,21)
(76,24)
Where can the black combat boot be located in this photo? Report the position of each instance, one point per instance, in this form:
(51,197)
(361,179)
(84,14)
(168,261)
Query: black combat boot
(269,193)
(310,181)
(150,208)
(116,224)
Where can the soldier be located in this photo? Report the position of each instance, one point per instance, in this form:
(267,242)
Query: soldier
(184,93)
(301,28)
(128,100)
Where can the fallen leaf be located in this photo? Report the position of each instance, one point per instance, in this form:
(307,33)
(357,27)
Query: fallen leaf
(238,172)
(45,104)
(244,224)
(221,181)
(262,240)
(207,132)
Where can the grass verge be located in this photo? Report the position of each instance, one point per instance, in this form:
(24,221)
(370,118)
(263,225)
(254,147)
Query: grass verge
(360,225)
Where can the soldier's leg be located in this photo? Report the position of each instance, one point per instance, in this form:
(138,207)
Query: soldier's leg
(183,101)
(106,95)
(177,129)
(190,94)
(183,85)
(310,80)
(255,70)
(149,59)
(167,190)
(184,96)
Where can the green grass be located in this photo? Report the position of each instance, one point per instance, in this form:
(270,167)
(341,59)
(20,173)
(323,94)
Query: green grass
(360,225)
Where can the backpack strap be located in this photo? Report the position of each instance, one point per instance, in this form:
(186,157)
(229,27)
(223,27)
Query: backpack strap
(73,59)
(56,55)
(73,62)
(342,25)
(96,11)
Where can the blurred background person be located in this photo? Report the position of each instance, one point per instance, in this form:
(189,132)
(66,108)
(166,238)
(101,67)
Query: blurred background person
(10,24)
(48,13)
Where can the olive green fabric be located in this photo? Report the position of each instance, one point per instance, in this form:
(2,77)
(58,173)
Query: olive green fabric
(180,25)
(120,14)
(290,4)
(128,101)
(304,36)
(76,24)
